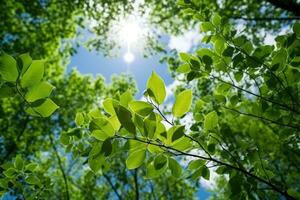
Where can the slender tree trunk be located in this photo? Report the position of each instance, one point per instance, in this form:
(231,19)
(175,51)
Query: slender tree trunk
(137,193)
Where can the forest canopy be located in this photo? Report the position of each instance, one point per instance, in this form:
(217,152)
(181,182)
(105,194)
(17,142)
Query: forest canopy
(232,120)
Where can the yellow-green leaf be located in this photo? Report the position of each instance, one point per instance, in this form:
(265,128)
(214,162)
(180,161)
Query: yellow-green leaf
(136,159)
(156,88)
(182,103)
(26,62)
(210,120)
(141,107)
(33,75)
(42,109)
(79,119)
(39,91)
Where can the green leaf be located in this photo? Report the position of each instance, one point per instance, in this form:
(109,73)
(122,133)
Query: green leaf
(228,52)
(160,162)
(108,105)
(205,172)
(210,120)
(79,119)
(8,68)
(195,64)
(6,91)
(235,184)
(150,125)
(154,149)
(99,135)
(177,132)
(135,145)
(279,59)
(293,192)
(32,180)
(296,29)
(115,122)
(185,57)
(206,26)
(101,128)
(157,88)
(151,172)
(197,173)
(96,158)
(33,75)
(175,168)
(263,51)
(125,98)
(43,108)
(106,147)
(207,60)
(125,118)
(182,144)
(160,129)
(195,164)
(216,19)
(136,159)
(238,76)
(139,123)
(11,172)
(95,113)
(182,103)
(140,107)
(211,147)
(96,162)
(19,163)
(39,91)
(26,62)
(219,45)
(31,167)
(184,68)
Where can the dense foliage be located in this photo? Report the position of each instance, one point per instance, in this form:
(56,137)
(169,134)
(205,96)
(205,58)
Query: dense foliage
(236,112)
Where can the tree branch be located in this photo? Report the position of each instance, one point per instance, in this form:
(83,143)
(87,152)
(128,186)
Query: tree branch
(263,118)
(245,172)
(286,107)
(112,186)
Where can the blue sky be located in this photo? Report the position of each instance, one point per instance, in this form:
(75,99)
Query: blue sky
(94,63)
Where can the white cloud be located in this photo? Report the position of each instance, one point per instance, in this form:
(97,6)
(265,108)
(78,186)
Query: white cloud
(184,43)
(270,38)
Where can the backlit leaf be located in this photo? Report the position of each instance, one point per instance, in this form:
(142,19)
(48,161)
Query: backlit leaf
(33,75)
(210,120)
(42,109)
(182,103)
(157,88)
(136,159)
(141,107)
(39,91)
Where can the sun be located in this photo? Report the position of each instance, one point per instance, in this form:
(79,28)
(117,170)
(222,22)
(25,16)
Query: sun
(128,57)
(131,34)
